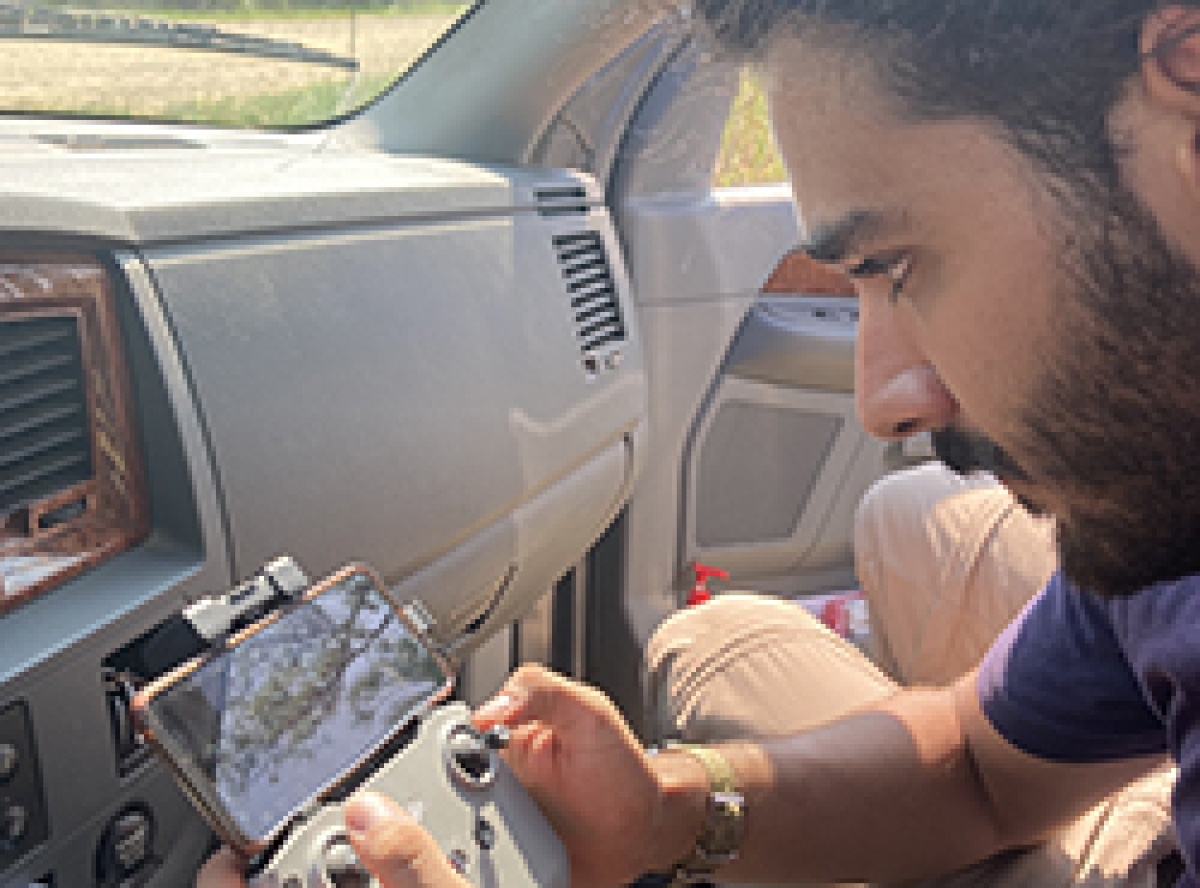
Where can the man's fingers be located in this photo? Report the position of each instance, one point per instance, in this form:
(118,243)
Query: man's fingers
(223,870)
(394,847)
(534,693)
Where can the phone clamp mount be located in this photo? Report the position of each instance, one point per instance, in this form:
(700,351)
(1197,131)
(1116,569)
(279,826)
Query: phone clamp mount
(276,584)
(448,776)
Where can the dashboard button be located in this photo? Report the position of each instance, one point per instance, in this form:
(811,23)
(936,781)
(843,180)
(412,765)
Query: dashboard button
(126,845)
(10,759)
(131,840)
(460,861)
(485,834)
(14,822)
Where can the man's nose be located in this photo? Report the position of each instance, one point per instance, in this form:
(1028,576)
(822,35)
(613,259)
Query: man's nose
(909,401)
(897,392)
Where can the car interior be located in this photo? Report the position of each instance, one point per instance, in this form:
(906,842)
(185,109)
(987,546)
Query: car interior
(494,332)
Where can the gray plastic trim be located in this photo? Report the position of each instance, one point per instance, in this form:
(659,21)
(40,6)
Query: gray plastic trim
(805,342)
(490,93)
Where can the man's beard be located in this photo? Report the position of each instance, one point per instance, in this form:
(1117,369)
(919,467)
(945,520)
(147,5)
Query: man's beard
(1111,430)
(968,452)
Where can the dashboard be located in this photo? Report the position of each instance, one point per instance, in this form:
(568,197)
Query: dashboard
(429,366)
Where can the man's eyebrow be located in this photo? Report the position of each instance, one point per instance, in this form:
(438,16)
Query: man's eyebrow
(829,244)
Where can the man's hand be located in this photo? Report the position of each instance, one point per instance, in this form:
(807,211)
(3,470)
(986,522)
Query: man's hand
(576,756)
(388,841)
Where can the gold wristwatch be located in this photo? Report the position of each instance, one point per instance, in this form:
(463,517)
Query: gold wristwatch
(725,823)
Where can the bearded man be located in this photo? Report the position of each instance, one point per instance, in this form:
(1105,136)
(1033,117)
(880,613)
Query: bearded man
(1014,187)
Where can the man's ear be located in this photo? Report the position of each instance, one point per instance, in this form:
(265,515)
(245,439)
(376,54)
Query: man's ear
(1170,72)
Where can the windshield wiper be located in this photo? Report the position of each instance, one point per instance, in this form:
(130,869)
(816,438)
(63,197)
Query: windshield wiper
(44,23)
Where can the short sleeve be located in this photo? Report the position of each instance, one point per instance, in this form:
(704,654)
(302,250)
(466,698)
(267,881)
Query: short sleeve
(1058,685)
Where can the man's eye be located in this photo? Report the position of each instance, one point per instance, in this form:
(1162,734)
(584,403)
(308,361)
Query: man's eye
(870,267)
(895,267)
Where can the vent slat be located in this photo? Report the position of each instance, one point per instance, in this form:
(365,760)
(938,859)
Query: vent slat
(37,390)
(585,265)
(590,281)
(32,419)
(587,250)
(568,240)
(604,293)
(598,328)
(41,367)
(601,341)
(35,473)
(45,441)
(568,200)
(599,311)
(29,343)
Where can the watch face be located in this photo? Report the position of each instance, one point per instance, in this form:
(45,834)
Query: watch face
(726,824)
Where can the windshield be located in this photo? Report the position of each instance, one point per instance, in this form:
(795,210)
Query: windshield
(238,63)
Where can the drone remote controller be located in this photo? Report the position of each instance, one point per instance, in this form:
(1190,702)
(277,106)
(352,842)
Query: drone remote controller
(451,779)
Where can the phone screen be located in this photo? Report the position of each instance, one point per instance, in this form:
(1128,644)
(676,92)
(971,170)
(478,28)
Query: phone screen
(276,719)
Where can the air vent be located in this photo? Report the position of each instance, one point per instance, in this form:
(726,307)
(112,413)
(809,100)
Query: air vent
(593,295)
(71,488)
(45,443)
(568,200)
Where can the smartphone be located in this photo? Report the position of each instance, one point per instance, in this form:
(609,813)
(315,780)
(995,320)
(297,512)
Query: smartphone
(286,710)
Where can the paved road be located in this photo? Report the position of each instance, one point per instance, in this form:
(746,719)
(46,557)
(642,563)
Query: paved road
(40,75)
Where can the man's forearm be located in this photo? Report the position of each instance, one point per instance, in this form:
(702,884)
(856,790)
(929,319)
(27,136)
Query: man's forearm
(867,797)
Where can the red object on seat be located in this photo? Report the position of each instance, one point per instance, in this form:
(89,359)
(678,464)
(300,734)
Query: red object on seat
(845,614)
(704,573)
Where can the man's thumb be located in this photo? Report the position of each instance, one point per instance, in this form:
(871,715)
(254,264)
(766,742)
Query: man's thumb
(394,847)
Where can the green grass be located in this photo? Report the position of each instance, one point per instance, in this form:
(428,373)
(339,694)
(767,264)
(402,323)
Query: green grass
(299,107)
(748,153)
(250,10)
(303,106)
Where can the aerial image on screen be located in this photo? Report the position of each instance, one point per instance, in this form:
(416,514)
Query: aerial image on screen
(280,716)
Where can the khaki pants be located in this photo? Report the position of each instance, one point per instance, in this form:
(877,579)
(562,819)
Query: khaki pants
(945,563)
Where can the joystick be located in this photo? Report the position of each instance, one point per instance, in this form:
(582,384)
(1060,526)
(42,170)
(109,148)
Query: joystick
(470,759)
(342,867)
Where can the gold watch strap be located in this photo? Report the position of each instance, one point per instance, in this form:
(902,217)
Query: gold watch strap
(725,822)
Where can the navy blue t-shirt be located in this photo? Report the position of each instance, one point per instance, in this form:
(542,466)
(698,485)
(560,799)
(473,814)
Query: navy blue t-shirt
(1076,678)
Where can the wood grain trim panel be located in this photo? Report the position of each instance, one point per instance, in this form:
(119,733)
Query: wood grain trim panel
(108,512)
(798,275)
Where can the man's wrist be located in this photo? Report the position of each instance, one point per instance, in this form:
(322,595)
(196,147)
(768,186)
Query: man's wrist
(684,788)
(720,841)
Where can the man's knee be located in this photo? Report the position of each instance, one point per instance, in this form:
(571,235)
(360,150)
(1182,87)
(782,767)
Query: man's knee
(752,666)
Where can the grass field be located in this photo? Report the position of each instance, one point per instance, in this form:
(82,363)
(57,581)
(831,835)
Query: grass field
(214,88)
(748,154)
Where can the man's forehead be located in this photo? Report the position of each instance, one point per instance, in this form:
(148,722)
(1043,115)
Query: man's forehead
(838,71)
(861,171)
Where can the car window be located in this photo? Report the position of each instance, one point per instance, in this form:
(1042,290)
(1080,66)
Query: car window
(237,63)
(748,153)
